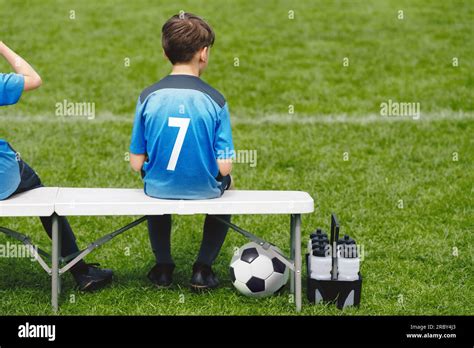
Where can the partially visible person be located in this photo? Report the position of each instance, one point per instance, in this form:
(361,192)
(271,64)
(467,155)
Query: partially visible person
(17,176)
(182,143)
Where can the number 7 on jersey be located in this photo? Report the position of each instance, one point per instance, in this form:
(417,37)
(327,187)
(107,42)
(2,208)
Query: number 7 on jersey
(183,124)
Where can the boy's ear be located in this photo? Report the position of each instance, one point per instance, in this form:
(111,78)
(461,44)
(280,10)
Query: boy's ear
(204,55)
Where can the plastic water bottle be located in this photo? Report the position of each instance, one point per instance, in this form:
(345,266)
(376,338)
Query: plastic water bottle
(348,262)
(320,261)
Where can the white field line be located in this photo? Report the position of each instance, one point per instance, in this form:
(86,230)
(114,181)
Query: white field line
(257,120)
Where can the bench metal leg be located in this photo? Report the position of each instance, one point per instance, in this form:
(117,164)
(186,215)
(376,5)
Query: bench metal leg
(60,243)
(56,252)
(292,252)
(297,274)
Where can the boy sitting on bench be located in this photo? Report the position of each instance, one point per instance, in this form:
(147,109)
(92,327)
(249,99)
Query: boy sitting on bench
(182,144)
(16,176)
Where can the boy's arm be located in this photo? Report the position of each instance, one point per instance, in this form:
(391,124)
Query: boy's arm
(21,66)
(138,154)
(223,144)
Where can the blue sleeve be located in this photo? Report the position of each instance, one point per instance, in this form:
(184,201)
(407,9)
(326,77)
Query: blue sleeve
(11,88)
(138,143)
(223,144)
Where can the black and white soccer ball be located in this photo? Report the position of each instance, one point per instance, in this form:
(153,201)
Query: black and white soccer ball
(257,272)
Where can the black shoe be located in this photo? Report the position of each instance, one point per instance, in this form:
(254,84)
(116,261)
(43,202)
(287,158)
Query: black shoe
(203,277)
(161,274)
(90,278)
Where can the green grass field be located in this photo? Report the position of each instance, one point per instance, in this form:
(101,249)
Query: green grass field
(418,258)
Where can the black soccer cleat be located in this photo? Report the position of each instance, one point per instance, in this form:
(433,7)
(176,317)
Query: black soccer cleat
(203,277)
(161,275)
(89,277)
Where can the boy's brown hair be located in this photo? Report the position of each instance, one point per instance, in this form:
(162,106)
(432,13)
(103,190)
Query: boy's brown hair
(183,35)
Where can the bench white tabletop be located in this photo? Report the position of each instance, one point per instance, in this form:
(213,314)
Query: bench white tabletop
(116,201)
(37,202)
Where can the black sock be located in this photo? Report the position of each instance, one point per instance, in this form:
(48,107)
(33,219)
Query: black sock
(213,237)
(159,231)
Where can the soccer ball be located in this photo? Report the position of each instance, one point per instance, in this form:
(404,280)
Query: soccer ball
(256,272)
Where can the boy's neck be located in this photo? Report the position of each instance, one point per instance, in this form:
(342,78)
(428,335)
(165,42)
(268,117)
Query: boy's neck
(185,69)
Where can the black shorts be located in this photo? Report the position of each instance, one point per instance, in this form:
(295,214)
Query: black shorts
(225,181)
(29,179)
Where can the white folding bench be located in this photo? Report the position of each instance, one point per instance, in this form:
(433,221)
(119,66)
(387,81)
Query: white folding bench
(125,202)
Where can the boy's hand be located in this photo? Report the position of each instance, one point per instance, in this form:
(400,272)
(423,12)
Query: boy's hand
(137,161)
(225,166)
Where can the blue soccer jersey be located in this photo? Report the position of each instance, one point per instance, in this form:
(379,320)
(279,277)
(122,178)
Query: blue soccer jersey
(11,88)
(183,125)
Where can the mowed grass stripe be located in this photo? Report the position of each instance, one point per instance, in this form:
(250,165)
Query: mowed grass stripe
(257,120)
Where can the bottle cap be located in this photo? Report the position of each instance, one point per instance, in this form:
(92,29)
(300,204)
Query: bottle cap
(348,240)
(319,235)
(320,242)
(320,239)
(316,234)
(347,247)
(319,252)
